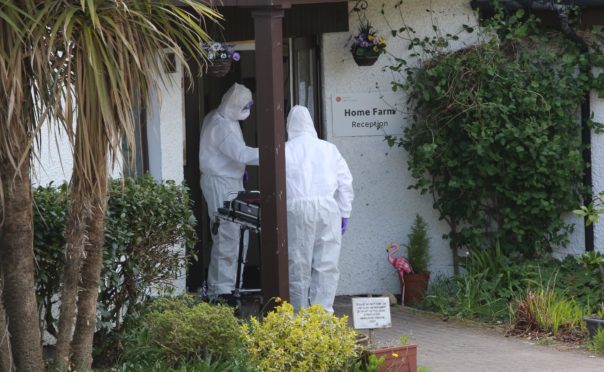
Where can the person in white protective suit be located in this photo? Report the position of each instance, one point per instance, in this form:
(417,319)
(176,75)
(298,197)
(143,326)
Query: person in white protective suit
(319,202)
(223,156)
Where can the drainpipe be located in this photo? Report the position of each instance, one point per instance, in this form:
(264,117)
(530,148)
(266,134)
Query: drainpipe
(585,130)
(561,7)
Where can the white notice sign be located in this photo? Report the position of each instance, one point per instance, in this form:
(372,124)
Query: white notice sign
(371,312)
(367,114)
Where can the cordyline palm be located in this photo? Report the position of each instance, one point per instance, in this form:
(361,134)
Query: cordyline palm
(117,51)
(27,99)
(95,56)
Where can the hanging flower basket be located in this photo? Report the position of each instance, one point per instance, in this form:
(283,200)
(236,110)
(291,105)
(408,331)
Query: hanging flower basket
(220,57)
(365,60)
(219,67)
(366,46)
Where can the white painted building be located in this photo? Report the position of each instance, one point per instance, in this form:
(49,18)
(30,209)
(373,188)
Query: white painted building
(384,208)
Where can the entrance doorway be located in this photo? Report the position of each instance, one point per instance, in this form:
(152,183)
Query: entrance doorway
(301,67)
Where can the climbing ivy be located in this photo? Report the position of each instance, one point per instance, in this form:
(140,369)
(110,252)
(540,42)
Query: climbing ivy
(494,131)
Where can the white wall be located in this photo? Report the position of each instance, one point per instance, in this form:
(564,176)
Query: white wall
(384,208)
(54,162)
(597,156)
(165,136)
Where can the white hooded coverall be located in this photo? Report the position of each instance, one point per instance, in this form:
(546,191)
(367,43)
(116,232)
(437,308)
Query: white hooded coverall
(319,195)
(223,156)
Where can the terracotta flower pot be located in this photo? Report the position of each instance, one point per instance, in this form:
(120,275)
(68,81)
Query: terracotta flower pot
(415,287)
(402,358)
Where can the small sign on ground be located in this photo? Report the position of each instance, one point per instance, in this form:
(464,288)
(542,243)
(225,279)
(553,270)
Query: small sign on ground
(371,312)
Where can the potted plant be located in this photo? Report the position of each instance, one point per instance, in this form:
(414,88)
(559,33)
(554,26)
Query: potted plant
(220,57)
(415,283)
(367,45)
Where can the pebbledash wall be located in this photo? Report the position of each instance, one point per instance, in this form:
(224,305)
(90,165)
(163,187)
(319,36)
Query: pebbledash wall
(384,208)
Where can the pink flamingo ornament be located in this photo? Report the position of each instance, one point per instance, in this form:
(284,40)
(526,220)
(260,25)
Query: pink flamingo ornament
(400,264)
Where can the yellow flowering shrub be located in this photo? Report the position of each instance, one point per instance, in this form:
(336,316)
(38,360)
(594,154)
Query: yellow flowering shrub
(311,340)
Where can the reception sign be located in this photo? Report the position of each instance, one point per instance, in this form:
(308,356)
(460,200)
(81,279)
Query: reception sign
(367,114)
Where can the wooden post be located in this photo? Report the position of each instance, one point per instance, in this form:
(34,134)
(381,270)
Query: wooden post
(268,29)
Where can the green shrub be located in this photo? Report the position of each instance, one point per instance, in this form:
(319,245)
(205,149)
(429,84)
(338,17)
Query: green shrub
(50,216)
(311,340)
(597,343)
(594,261)
(492,282)
(179,331)
(200,365)
(493,133)
(418,248)
(145,220)
(188,332)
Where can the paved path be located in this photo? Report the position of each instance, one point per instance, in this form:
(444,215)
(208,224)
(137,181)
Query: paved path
(459,346)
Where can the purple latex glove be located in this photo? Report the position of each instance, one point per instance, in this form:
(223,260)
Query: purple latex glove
(246,177)
(344,225)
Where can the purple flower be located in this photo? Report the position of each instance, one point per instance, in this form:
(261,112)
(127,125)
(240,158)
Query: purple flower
(236,56)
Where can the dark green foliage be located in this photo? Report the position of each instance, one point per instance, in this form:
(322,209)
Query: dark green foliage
(418,248)
(50,214)
(494,133)
(493,281)
(180,332)
(145,220)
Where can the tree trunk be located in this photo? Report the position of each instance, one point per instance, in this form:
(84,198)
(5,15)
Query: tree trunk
(75,234)
(18,266)
(82,342)
(6,358)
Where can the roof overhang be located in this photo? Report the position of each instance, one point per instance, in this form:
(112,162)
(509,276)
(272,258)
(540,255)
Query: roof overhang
(301,17)
(592,11)
(265,3)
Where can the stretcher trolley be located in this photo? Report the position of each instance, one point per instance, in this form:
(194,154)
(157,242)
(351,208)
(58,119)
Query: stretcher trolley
(243,210)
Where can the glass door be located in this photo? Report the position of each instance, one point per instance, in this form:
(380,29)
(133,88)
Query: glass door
(306,77)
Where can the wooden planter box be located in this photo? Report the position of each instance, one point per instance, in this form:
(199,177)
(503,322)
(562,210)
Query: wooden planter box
(401,358)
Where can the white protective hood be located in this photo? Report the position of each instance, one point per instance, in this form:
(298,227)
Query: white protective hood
(233,102)
(299,122)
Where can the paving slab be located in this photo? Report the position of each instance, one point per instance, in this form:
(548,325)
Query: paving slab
(454,345)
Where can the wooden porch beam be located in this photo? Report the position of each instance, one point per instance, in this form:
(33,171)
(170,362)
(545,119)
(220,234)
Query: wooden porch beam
(268,3)
(271,142)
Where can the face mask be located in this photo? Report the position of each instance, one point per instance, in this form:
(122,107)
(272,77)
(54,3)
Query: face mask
(244,114)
